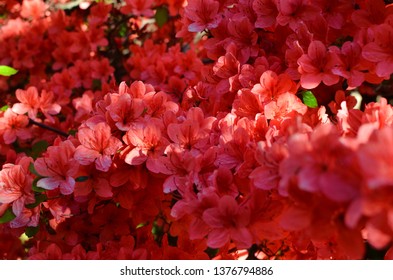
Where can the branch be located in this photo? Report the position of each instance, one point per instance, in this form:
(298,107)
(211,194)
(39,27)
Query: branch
(44,126)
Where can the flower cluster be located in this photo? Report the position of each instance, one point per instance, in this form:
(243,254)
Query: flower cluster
(200,129)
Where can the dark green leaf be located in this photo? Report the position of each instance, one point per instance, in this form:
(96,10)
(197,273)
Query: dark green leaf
(309,99)
(211,252)
(32,169)
(161,16)
(39,198)
(4,108)
(97,84)
(38,148)
(81,178)
(7,71)
(72,132)
(123,30)
(8,216)
(31,231)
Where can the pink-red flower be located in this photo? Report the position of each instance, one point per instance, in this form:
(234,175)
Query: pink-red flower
(138,8)
(193,132)
(266,176)
(182,166)
(31,102)
(13,126)
(266,11)
(375,156)
(316,66)
(380,50)
(349,63)
(127,106)
(293,12)
(322,164)
(228,221)
(271,85)
(204,14)
(97,145)
(146,143)
(59,168)
(33,9)
(15,186)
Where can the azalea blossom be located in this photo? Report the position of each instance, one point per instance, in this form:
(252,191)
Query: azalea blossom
(203,14)
(293,12)
(271,86)
(379,51)
(13,126)
(146,144)
(97,146)
(124,109)
(33,8)
(192,133)
(316,66)
(182,166)
(31,102)
(317,170)
(15,186)
(59,168)
(228,221)
(266,11)
(374,156)
(349,64)
(138,7)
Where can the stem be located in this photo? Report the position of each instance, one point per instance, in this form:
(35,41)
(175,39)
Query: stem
(44,126)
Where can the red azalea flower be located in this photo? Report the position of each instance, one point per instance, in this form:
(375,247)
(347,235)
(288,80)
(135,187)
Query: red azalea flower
(228,221)
(146,143)
(29,102)
(267,13)
(293,12)
(380,51)
(33,9)
(203,15)
(98,145)
(15,186)
(192,133)
(59,167)
(316,66)
(13,126)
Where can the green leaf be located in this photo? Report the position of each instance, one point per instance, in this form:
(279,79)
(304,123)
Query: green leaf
(7,70)
(72,132)
(142,225)
(81,178)
(123,30)
(35,187)
(211,252)
(8,216)
(97,84)
(31,231)
(32,169)
(38,148)
(39,198)
(309,99)
(161,16)
(4,108)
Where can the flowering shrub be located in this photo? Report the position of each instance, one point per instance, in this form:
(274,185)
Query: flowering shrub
(200,129)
